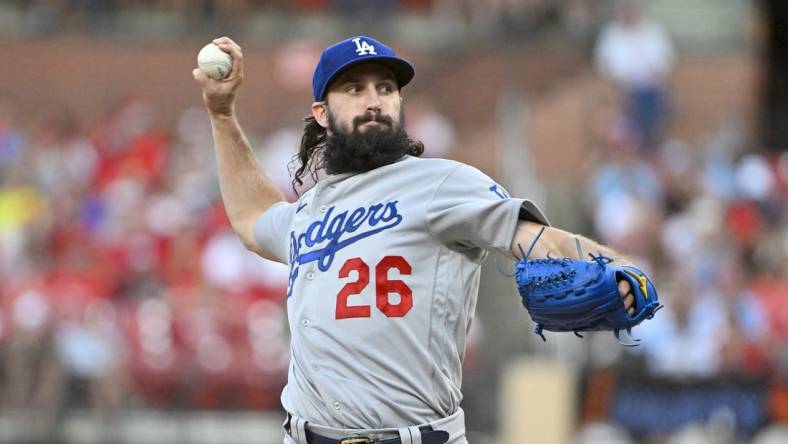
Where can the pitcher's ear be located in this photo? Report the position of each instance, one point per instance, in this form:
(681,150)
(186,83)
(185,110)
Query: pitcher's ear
(320,113)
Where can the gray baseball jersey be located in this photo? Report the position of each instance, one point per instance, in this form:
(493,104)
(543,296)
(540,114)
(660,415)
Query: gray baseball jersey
(384,275)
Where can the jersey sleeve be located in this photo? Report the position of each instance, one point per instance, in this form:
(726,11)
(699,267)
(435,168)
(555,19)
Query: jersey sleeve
(471,211)
(271,230)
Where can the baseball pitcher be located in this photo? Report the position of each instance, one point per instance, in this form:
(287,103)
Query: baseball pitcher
(385,255)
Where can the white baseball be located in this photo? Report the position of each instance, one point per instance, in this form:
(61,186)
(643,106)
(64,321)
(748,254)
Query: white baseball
(214,62)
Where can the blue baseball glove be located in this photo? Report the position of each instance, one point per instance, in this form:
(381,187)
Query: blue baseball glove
(582,295)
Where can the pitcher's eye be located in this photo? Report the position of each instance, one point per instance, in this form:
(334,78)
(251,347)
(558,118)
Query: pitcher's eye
(386,88)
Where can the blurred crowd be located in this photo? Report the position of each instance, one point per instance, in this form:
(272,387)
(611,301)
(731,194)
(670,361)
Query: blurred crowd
(122,282)
(708,219)
(710,222)
(708,216)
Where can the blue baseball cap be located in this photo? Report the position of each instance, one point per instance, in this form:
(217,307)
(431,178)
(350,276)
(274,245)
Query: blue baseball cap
(361,49)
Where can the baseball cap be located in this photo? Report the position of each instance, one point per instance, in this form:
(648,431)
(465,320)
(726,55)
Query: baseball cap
(360,49)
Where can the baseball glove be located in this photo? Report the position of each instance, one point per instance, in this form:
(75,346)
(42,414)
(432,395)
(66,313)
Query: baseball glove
(582,295)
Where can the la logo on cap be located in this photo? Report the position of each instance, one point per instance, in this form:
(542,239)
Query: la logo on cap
(363,48)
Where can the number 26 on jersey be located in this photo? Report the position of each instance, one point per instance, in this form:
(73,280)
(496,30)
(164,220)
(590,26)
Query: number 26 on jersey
(384,287)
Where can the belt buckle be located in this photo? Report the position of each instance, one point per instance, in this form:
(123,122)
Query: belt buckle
(356,440)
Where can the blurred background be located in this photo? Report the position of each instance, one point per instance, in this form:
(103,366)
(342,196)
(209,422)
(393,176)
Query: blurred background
(130,313)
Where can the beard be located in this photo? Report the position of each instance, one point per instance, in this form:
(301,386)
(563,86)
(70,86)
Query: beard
(357,152)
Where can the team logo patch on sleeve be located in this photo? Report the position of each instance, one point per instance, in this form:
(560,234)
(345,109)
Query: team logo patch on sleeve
(498,191)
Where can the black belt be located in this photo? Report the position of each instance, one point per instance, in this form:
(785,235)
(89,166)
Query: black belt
(428,436)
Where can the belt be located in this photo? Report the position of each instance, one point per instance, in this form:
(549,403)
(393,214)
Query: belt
(428,436)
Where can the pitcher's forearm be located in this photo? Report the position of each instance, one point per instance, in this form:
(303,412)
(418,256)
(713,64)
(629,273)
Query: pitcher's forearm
(558,243)
(246,192)
(569,248)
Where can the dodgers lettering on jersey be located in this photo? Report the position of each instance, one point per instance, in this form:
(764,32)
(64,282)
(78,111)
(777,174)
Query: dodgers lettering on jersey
(340,232)
(384,275)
